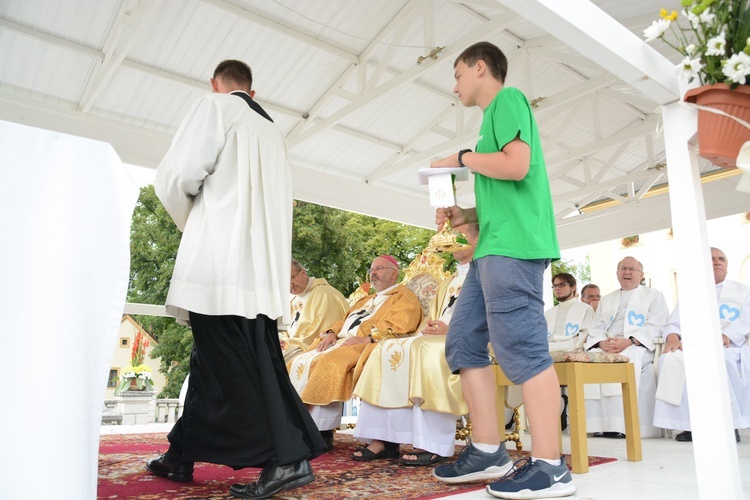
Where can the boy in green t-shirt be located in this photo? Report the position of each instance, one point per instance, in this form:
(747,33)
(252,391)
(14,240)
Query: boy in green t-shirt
(501,299)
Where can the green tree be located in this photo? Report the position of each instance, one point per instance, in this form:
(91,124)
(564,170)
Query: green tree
(339,246)
(154,240)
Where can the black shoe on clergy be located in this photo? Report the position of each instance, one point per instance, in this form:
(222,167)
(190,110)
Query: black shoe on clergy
(685,436)
(170,466)
(274,479)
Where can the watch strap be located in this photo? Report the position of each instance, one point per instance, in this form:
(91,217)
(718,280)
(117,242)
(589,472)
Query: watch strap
(461,157)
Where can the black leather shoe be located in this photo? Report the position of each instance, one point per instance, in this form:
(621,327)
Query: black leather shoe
(171,467)
(274,479)
(684,437)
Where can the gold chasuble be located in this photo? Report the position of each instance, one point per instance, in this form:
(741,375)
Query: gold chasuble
(313,310)
(405,372)
(333,373)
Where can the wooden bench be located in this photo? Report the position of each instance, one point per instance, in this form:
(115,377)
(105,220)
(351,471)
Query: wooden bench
(574,376)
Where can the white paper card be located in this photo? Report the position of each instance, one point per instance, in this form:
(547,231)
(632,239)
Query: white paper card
(441,185)
(441,191)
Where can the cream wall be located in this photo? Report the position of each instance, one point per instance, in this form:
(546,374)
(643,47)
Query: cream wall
(657,252)
(128,328)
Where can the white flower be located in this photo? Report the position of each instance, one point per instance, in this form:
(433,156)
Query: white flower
(689,68)
(690,49)
(707,18)
(737,67)
(716,45)
(656,29)
(694,20)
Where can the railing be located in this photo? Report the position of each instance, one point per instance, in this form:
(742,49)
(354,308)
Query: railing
(168,409)
(133,410)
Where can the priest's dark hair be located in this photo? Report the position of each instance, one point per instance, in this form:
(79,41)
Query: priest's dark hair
(236,72)
(566,278)
(492,56)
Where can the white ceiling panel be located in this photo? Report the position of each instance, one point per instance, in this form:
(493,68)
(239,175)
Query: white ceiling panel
(363,90)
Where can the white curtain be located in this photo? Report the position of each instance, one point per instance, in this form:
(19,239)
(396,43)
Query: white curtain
(65,210)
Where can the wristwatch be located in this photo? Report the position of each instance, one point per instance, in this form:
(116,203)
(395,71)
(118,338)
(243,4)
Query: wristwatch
(632,340)
(461,157)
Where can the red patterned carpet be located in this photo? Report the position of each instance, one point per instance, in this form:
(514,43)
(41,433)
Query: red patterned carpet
(122,475)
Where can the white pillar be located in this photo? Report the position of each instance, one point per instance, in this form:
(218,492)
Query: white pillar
(714,445)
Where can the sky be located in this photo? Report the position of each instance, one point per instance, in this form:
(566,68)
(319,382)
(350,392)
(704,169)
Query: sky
(142,176)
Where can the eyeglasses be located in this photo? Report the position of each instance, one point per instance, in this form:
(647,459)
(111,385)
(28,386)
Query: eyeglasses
(592,297)
(380,268)
(295,274)
(626,268)
(559,285)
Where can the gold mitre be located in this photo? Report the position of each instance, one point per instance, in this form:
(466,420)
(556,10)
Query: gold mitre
(448,240)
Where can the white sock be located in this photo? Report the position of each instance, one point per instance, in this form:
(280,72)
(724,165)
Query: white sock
(551,462)
(486,448)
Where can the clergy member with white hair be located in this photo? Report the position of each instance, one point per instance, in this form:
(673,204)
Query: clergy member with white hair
(733,298)
(626,322)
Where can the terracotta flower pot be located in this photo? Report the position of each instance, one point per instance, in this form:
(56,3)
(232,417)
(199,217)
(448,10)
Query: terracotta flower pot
(719,137)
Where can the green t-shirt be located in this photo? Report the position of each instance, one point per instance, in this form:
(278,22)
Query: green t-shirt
(516,218)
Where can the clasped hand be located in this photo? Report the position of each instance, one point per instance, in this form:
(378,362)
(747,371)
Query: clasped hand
(615,345)
(435,327)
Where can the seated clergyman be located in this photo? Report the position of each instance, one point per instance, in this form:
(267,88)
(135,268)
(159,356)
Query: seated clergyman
(567,326)
(315,305)
(733,298)
(408,393)
(324,376)
(568,322)
(626,322)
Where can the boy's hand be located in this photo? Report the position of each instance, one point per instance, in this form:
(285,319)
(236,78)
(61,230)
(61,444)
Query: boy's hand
(455,214)
(448,162)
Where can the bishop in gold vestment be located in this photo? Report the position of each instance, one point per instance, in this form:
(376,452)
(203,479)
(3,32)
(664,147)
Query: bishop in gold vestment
(326,374)
(408,393)
(315,305)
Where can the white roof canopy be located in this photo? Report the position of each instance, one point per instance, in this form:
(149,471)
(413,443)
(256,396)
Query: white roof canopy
(363,91)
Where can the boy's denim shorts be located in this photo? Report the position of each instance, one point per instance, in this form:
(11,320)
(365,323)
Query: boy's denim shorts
(501,302)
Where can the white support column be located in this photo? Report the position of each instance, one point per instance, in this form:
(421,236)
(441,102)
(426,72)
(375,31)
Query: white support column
(714,445)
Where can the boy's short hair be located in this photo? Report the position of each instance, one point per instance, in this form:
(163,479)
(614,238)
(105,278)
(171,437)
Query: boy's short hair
(236,72)
(492,56)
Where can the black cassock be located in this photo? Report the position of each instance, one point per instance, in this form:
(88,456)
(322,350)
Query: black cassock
(241,408)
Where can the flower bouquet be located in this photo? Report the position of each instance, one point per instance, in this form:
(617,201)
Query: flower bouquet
(137,376)
(715,43)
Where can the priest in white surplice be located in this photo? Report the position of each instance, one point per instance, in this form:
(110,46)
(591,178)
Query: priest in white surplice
(567,326)
(408,393)
(671,410)
(626,322)
(568,322)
